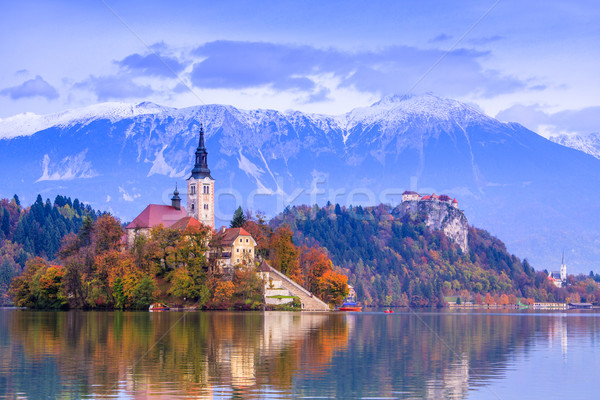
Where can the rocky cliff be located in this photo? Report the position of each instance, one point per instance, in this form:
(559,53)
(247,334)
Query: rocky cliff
(438,215)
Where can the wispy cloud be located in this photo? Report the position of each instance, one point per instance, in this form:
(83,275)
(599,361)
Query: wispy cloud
(31,88)
(440,38)
(484,40)
(153,64)
(394,69)
(583,121)
(114,87)
(127,196)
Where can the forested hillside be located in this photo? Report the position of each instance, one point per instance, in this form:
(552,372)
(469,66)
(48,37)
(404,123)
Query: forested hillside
(35,231)
(399,261)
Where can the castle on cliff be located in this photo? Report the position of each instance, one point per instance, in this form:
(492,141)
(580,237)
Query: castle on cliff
(414,196)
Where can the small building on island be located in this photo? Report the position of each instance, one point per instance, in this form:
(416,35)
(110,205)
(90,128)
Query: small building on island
(237,247)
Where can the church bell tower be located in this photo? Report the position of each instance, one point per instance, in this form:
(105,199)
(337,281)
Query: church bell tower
(563,269)
(201,187)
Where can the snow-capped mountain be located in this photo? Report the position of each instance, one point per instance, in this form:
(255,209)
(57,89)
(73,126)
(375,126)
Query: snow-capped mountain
(537,196)
(589,144)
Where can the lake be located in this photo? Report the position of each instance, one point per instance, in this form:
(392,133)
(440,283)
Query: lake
(280,355)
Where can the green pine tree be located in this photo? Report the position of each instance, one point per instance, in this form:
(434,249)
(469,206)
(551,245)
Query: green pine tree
(239,219)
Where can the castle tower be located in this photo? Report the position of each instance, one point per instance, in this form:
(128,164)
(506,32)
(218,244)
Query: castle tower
(563,269)
(201,187)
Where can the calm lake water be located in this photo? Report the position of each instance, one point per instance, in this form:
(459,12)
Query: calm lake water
(225,355)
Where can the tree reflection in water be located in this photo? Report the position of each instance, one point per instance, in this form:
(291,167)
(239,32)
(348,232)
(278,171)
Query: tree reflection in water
(225,354)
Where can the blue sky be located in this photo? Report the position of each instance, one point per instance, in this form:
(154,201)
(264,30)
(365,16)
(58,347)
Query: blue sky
(533,62)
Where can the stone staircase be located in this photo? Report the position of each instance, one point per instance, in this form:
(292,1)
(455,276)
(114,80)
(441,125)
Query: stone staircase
(277,283)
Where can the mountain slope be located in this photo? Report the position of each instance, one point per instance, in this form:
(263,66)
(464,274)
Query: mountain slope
(401,257)
(538,196)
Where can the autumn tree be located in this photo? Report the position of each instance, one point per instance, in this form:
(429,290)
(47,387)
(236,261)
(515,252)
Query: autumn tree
(333,287)
(314,263)
(222,293)
(107,234)
(160,249)
(40,286)
(260,231)
(284,255)
(249,288)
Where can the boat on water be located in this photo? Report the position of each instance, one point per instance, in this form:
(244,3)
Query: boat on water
(350,306)
(158,307)
(388,311)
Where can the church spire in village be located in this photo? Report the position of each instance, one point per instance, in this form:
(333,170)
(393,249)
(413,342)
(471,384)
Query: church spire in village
(201,187)
(200,169)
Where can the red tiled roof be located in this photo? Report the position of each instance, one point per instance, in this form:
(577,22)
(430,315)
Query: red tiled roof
(187,222)
(229,236)
(455,201)
(156,214)
(426,197)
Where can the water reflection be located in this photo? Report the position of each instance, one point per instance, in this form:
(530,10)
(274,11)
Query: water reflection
(274,354)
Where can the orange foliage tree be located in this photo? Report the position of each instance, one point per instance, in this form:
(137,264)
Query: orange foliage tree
(333,287)
(314,263)
(284,255)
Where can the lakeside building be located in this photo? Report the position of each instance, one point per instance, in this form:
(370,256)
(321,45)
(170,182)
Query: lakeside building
(549,306)
(238,247)
(559,278)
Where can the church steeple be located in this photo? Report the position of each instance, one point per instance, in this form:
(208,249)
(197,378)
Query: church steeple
(201,187)
(176,200)
(200,169)
(563,268)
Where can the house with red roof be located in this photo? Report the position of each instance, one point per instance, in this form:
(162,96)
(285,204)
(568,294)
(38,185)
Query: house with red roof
(238,247)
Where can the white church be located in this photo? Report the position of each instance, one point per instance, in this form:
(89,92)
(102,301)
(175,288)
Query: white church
(238,243)
(559,278)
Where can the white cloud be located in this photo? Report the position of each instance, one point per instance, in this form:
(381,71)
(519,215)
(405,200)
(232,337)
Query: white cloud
(127,196)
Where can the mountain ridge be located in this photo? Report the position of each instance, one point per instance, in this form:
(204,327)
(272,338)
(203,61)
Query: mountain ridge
(511,180)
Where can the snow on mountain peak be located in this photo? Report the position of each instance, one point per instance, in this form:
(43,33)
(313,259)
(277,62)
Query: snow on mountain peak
(27,124)
(589,143)
(393,108)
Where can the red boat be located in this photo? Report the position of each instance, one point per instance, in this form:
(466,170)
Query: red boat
(159,307)
(350,307)
(389,311)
